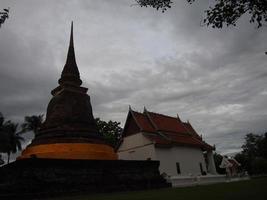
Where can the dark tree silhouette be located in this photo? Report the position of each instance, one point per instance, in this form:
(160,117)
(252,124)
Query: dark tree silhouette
(32,123)
(254,154)
(111,131)
(14,139)
(255,146)
(162,5)
(10,138)
(3,16)
(3,135)
(222,12)
(2,119)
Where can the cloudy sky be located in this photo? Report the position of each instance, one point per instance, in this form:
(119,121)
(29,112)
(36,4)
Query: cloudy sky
(135,56)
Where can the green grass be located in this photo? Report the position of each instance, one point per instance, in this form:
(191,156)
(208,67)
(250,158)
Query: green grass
(255,189)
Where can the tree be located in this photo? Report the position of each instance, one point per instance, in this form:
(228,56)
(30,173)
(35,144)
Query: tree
(157,4)
(262,146)
(14,139)
(255,146)
(223,12)
(111,131)
(244,161)
(259,166)
(3,135)
(3,16)
(253,157)
(32,123)
(10,138)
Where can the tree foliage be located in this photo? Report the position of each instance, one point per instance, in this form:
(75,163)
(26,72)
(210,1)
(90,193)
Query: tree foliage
(253,157)
(3,16)
(255,146)
(162,5)
(111,131)
(32,123)
(10,137)
(222,12)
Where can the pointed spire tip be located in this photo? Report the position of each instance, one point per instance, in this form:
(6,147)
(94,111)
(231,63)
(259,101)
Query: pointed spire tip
(71,34)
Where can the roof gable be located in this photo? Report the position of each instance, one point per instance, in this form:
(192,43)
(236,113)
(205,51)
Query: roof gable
(137,122)
(191,130)
(143,122)
(163,130)
(130,127)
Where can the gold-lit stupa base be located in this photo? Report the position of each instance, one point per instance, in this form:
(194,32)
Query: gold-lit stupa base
(84,151)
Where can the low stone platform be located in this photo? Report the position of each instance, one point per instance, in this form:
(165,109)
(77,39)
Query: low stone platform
(36,178)
(185,181)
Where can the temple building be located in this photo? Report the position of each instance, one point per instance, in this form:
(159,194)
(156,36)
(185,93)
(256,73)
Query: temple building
(69,131)
(176,144)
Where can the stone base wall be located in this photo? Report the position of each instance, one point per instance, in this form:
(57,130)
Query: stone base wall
(48,177)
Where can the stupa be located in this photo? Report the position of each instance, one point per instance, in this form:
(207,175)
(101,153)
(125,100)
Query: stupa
(68,155)
(69,131)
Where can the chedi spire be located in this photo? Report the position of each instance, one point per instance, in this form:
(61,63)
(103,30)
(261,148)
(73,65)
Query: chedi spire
(70,74)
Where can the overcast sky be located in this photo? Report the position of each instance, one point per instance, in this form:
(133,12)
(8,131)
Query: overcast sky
(135,56)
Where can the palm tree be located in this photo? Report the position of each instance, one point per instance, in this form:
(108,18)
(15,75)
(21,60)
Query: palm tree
(32,123)
(3,141)
(2,119)
(14,139)
(10,139)
(3,135)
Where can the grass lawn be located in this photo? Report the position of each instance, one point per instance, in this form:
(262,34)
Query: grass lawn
(255,189)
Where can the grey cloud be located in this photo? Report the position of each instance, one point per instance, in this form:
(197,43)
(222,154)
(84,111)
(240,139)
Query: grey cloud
(129,55)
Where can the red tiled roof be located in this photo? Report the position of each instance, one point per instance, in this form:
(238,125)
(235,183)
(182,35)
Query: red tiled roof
(187,139)
(166,130)
(167,123)
(184,139)
(177,139)
(143,122)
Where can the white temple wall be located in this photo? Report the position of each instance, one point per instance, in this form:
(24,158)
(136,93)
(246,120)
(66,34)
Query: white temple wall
(188,158)
(136,147)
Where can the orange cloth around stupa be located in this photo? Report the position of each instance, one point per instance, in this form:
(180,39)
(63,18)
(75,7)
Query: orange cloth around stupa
(70,151)
(69,131)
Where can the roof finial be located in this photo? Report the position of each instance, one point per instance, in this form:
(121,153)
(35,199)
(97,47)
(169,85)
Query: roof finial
(178,117)
(70,73)
(145,110)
